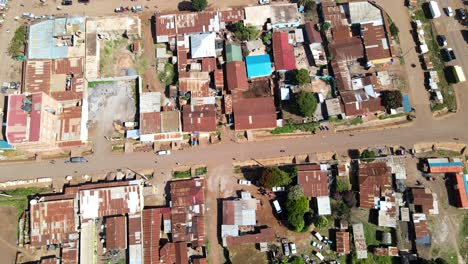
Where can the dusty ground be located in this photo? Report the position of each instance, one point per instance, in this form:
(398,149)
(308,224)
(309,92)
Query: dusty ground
(110,102)
(8,234)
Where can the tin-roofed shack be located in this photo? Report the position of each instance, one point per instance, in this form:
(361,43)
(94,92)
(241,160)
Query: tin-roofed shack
(375,179)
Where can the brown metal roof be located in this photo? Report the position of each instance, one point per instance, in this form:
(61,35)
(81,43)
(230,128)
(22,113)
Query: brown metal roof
(52,222)
(265,235)
(374,38)
(342,242)
(313,182)
(208,64)
(423,200)
(150,123)
(219,79)
(230,16)
(152,219)
(374,180)
(134,230)
(198,118)
(165,25)
(421,229)
(236,75)
(358,103)
(228,212)
(195,22)
(174,253)
(70,253)
(116,232)
(254,113)
(313,35)
(200,261)
(195,82)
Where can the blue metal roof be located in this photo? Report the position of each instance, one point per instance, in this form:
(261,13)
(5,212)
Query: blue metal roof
(406,104)
(258,65)
(445,164)
(5,145)
(465,182)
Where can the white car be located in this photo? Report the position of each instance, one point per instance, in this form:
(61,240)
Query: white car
(286,249)
(244,182)
(293,248)
(263,2)
(163,152)
(278,189)
(449,11)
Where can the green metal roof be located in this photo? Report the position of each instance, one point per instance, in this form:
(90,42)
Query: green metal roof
(233,52)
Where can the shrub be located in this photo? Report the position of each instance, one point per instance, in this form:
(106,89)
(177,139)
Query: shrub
(182,174)
(306,103)
(301,76)
(367,155)
(17,43)
(245,32)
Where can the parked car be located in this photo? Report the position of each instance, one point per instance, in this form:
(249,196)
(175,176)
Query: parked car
(27,15)
(278,189)
(67,2)
(293,248)
(277,207)
(119,9)
(461,14)
(76,160)
(163,152)
(448,54)
(442,40)
(286,249)
(244,182)
(318,236)
(263,2)
(137,8)
(449,11)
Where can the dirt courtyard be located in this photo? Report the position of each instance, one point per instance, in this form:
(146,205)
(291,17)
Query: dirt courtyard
(8,234)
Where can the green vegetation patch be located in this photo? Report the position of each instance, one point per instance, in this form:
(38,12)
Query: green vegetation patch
(96,83)
(201,171)
(182,174)
(291,128)
(167,77)
(18,42)
(19,198)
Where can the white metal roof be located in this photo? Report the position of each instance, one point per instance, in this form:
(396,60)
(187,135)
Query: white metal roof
(323,205)
(203,45)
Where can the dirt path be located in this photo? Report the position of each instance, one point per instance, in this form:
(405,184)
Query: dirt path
(8,234)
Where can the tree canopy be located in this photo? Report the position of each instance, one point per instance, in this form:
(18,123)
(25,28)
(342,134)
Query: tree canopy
(296,260)
(245,32)
(296,207)
(199,5)
(17,43)
(367,155)
(295,192)
(391,99)
(274,177)
(306,103)
(300,76)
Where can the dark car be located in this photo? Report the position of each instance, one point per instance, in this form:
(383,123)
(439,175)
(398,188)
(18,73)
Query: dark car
(67,2)
(448,54)
(441,40)
(461,14)
(76,160)
(119,9)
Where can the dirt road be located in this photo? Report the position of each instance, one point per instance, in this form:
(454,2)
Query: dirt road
(8,234)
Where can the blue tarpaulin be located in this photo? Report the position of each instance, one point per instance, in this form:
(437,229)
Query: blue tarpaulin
(5,145)
(258,66)
(406,104)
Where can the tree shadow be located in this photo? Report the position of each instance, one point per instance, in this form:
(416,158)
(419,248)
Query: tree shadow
(185,6)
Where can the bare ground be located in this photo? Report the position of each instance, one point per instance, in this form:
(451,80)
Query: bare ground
(8,234)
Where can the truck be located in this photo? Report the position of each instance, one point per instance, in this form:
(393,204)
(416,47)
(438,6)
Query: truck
(457,73)
(434,9)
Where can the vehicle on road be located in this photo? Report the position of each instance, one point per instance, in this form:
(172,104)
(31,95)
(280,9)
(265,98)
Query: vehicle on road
(461,14)
(448,54)
(457,73)
(119,9)
(263,2)
(77,160)
(318,235)
(449,11)
(163,152)
(244,182)
(442,40)
(278,189)
(137,8)
(319,256)
(67,2)
(293,248)
(277,207)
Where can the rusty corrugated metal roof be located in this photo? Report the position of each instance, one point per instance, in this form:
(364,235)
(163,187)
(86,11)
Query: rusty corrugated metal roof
(151,235)
(116,232)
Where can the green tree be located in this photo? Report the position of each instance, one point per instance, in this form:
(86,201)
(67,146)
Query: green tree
(367,155)
(322,222)
(296,192)
(391,99)
(306,103)
(273,176)
(296,260)
(296,209)
(199,5)
(296,220)
(18,42)
(301,76)
(326,26)
(394,30)
(245,32)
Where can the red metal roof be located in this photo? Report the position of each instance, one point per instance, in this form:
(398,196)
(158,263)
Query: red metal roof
(196,22)
(342,242)
(35,123)
(283,52)
(150,123)
(421,229)
(174,253)
(374,180)
(134,230)
(52,222)
(187,192)
(16,119)
(198,83)
(236,75)
(313,182)
(165,24)
(254,113)
(208,64)
(116,232)
(231,16)
(446,169)
(460,189)
(265,235)
(219,79)
(70,253)
(200,118)
(312,33)
(200,261)
(151,235)
(376,42)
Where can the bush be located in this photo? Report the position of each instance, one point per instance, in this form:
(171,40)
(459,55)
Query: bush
(300,77)
(342,185)
(290,128)
(367,155)
(182,174)
(243,32)
(167,77)
(199,5)
(322,222)
(273,176)
(18,42)
(295,192)
(326,26)
(306,103)
(394,30)
(296,260)
(391,99)
(201,171)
